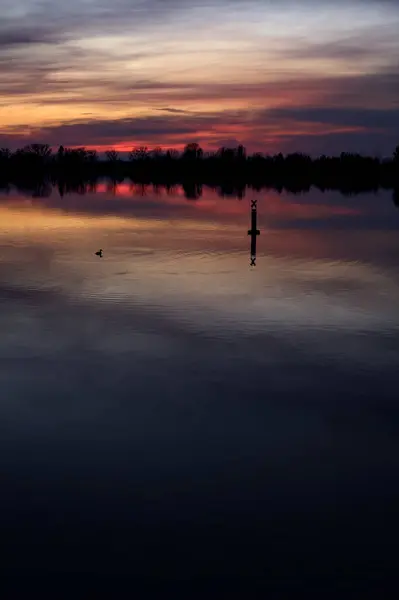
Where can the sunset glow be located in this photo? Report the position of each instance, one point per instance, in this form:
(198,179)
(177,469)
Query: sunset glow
(275,76)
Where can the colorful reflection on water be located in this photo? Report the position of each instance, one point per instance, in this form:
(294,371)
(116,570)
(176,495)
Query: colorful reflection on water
(168,393)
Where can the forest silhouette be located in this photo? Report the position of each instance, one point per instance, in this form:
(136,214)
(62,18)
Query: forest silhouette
(35,166)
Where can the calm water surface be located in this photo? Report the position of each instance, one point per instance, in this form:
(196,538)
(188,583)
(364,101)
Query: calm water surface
(170,412)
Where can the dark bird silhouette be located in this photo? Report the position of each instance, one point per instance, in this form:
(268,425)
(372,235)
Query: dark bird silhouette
(100,253)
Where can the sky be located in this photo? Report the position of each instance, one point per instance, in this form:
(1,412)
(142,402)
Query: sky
(274,75)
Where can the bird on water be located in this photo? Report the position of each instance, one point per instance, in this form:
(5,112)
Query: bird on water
(100,253)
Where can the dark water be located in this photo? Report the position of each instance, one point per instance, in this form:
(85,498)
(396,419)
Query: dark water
(171,415)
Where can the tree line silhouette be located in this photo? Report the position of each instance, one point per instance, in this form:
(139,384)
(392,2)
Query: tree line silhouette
(231,168)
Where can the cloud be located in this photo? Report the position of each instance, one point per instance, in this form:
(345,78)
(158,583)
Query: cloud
(309,129)
(367,44)
(261,73)
(333,143)
(176,111)
(343,117)
(109,131)
(27,37)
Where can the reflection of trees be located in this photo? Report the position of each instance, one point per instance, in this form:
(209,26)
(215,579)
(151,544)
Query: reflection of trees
(139,189)
(42,190)
(231,190)
(61,188)
(5,187)
(111,187)
(76,186)
(192,190)
(170,189)
(92,187)
(157,189)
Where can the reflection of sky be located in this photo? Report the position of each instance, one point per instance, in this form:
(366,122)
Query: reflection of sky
(312,210)
(323,260)
(272,75)
(168,395)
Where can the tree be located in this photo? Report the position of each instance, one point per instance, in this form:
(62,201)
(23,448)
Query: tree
(42,150)
(241,152)
(140,153)
(172,154)
(5,154)
(60,153)
(78,153)
(193,151)
(77,157)
(73,155)
(91,156)
(226,154)
(112,155)
(157,153)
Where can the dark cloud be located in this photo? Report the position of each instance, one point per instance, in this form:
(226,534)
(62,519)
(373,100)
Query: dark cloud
(80,18)
(349,117)
(9,39)
(176,111)
(111,131)
(364,142)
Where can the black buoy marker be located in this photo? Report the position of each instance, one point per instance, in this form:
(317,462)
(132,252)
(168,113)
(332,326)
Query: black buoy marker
(253,232)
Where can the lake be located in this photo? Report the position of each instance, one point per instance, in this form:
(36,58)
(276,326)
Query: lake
(171,414)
